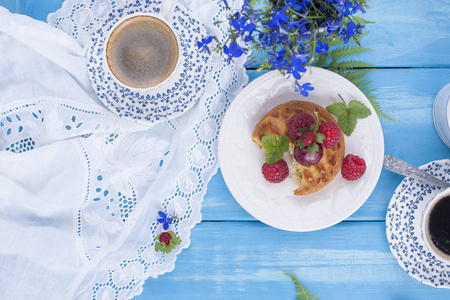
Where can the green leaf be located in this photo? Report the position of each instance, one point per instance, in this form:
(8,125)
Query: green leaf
(355,74)
(358,109)
(362,21)
(300,144)
(345,51)
(273,156)
(157,237)
(314,127)
(337,109)
(168,248)
(369,91)
(269,142)
(347,123)
(175,241)
(275,149)
(302,292)
(320,137)
(358,81)
(158,246)
(352,64)
(313,148)
(321,61)
(171,233)
(283,143)
(380,112)
(362,86)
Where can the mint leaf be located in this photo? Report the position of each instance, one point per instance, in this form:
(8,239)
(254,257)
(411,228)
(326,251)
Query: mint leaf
(283,143)
(313,148)
(168,248)
(320,137)
(314,127)
(347,122)
(337,109)
(358,109)
(175,241)
(275,149)
(349,115)
(273,156)
(158,246)
(269,142)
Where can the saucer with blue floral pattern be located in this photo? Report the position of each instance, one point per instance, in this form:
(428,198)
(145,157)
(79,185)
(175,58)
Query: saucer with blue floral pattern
(173,97)
(403,227)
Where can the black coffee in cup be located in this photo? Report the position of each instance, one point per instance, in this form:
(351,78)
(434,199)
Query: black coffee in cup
(438,226)
(142,52)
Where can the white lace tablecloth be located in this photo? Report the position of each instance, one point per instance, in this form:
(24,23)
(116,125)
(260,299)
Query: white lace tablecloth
(81,187)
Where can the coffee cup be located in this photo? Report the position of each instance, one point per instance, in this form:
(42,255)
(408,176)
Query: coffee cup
(436,226)
(143,50)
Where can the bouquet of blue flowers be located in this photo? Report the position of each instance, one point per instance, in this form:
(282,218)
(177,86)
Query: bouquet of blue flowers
(288,35)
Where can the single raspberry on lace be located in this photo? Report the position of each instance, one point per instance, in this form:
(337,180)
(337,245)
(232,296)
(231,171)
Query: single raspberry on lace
(165,238)
(353,167)
(276,172)
(332,134)
(298,121)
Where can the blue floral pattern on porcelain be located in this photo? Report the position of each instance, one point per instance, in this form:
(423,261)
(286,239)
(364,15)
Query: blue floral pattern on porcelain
(404,230)
(170,99)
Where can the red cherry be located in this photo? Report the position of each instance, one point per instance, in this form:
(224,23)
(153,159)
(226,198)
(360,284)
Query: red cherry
(303,157)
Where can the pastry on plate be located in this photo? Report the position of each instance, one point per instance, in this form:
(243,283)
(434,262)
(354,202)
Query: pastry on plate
(312,177)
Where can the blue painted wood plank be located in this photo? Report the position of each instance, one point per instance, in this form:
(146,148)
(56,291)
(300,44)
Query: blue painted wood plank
(406,95)
(406,33)
(11,5)
(39,9)
(234,260)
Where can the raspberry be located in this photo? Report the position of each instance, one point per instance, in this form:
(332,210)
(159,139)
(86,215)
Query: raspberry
(298,121)
(332,134)
(276,172)
(353,167)
(308,137)
(165,238)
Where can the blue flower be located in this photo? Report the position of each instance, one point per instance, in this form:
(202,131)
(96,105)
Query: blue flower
(203,44)
(322,48)
(234,50)
(298,5)
(165,219)
(351,30)
(346,8)
(278,19)
(332,26)
(304,88)
(297,67)
(278,59)
(244,30)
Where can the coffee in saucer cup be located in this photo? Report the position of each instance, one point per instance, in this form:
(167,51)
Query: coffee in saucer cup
(436,226)
(143,51)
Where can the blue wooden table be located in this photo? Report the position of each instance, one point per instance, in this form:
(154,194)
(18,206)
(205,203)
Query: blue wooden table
(234,256)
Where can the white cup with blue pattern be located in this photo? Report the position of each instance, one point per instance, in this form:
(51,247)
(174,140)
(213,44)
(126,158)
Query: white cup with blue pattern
(143,50)
(436,226)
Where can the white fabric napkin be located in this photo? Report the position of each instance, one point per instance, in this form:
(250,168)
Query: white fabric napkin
(81,187)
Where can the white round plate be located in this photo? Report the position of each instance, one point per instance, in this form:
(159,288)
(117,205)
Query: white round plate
(403,227)
(172,98)
(441,114)
(274,204)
